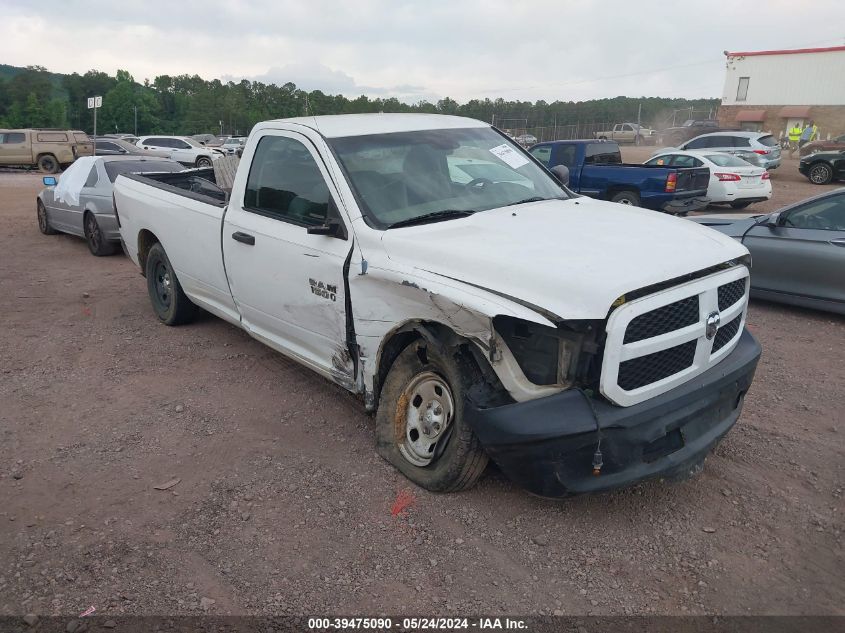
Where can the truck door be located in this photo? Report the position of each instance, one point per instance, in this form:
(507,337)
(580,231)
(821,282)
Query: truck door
(14,150)
(288,283)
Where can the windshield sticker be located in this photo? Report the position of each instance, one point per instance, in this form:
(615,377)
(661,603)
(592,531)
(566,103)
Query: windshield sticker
(509,155)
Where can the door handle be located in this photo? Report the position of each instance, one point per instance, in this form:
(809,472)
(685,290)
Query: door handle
(244,238)
(838,242)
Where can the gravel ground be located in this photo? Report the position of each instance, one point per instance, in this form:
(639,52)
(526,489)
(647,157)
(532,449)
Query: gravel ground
(280,504)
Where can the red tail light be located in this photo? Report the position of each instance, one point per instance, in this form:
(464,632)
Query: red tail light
(728,177)
(671,182)
(762,152)
(766,175)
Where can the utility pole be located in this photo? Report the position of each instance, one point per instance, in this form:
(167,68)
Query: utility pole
(639,116)
(136,119)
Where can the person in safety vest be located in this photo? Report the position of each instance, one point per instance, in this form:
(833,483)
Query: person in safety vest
(794,136)
(810,133)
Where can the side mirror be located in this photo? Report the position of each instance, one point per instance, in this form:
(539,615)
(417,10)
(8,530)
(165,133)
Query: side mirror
(330,229)
(561,172)
(772,221)
(49,181)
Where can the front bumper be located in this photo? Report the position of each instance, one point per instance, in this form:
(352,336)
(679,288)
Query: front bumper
(547,445)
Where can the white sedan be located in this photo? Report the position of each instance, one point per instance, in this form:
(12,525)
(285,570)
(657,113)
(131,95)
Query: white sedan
(732,180)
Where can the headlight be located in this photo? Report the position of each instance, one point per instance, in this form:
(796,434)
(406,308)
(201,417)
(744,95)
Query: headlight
(546,355)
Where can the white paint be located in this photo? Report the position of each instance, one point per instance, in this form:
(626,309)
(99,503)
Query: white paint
(793,79)
(572,259)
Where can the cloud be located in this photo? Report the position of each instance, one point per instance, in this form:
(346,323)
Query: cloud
(544,49)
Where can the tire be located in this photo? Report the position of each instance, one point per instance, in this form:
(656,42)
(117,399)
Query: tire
(204,161)
(740,204)
(421,382)
(820,174)
(602,138)
(48,164)
(43,220)
(170,303)
(627,197)
(97,242)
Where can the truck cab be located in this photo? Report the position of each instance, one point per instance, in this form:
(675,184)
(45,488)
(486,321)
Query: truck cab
(596,170)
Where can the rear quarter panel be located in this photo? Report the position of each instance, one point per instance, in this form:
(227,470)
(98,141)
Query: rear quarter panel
(190,232)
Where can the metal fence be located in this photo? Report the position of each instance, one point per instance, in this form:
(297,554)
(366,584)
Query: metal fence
(559,132)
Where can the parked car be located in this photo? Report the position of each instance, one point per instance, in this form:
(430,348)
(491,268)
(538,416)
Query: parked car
(183,149)
(129,138)
(823,167)
(49,150)
(109,146)
(732,180)
(82,204)
(764,145)
(595,169)
(580,345)
(690,129)
(628,133)
(798,252)
(526,140)
(232,143)
(833,145)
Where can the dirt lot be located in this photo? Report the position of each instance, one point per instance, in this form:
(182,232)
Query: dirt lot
(283,506)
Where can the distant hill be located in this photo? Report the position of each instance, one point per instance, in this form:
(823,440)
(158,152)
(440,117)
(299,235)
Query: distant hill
(8,72)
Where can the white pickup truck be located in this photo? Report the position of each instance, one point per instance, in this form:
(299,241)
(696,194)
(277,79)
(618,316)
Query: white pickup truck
(481,309)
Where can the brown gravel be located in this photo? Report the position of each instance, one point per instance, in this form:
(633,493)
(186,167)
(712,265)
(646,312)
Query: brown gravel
(283,507)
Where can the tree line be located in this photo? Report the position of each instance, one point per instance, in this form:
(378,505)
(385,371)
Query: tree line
(188,104)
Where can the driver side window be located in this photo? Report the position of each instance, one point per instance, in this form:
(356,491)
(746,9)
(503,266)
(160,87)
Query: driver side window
(825,215)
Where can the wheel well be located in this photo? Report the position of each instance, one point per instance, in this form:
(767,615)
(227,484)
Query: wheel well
(433,333)
(612,191)
(43,154)
(146,240)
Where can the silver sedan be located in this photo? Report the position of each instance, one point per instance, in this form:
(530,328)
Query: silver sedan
(798,253)
(89,212)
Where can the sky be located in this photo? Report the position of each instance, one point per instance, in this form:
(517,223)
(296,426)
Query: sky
(424,49)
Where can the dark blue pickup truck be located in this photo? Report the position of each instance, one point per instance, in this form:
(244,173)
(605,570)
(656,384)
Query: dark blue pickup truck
(596,170)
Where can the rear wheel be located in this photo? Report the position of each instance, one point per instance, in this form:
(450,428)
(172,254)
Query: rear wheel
(820,174)
(627,197)
(170,303)
(43,220)
(420,424)
(740,204)
(48,164)
(97,242)
(203,161)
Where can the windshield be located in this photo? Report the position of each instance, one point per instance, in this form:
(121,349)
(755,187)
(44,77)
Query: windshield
(115,168)
(191,142)
(401,176)
(726,160)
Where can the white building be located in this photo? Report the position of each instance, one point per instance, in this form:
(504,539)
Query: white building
(773,90)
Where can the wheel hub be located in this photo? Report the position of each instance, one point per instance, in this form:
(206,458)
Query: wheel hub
(430,408)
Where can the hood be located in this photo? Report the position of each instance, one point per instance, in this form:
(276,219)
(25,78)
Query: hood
(573,258)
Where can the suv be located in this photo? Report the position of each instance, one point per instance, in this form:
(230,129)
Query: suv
(184,149)
(49,150)
(764,145)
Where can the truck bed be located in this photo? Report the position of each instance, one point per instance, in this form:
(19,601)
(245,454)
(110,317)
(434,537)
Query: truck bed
(199,184)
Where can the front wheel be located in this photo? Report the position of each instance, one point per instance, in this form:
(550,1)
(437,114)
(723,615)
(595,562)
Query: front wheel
(170,303)
(820,174)
(97,243)
(203,161)
(43,220)
(627,197)
(420,423)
